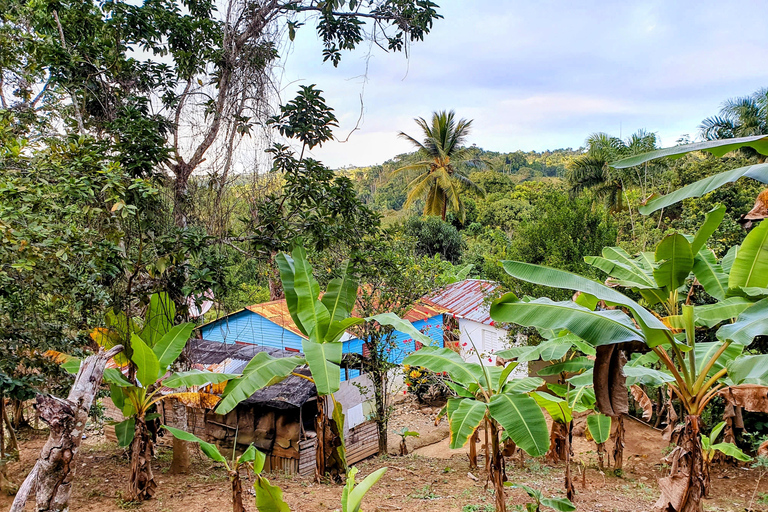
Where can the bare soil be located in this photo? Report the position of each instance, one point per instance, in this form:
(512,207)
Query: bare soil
(433,479)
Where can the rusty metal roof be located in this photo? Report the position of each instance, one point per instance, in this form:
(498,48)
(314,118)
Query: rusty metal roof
(467,299)
(423,310)
(277,312)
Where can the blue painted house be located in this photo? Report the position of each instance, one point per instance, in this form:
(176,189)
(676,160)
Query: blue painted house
(270,325)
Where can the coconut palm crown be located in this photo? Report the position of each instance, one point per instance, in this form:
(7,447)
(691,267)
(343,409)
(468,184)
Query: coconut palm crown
(439,178)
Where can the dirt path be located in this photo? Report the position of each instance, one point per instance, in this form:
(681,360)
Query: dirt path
(438,483)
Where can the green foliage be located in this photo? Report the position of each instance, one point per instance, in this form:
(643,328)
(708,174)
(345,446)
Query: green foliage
(559,504)
(439,178)
(435,237)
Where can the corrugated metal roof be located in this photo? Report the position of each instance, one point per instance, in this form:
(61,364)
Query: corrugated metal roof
(221,358)
(423,311)
(277,311)
(466,299)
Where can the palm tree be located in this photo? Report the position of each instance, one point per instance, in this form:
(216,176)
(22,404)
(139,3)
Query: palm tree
(591,171)
(739,117)
(442,149)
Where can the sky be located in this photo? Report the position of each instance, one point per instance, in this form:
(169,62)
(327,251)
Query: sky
(540,75)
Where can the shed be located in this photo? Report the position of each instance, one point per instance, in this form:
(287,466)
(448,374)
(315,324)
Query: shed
(278,419)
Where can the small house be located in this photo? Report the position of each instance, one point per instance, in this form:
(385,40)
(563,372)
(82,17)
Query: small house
(468,323)
(268,325)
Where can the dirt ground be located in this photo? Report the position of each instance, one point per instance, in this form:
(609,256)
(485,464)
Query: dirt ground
(433,479)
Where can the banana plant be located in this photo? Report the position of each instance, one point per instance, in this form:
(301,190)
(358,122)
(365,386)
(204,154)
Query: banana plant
(698,371)
(717,148)
(251,458)
(558,504)
(485,394)
(323,320)
(599,428)
(153,345)
(711,448)
(404,434)
(561,404)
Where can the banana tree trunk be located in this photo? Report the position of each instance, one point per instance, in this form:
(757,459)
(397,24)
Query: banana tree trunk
(473,449)
(237,491)
(618,444)
(327,458)
(558,442)
(142,483)
(601,456)
(684,489)
(497,469)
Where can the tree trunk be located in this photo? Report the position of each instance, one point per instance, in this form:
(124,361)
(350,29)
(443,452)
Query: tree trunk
(328,460)
(382,412)
(237,492)
(570,490)
(181,201)
(496,466)
(142,483)
(51,477)
(618,444)
(403,447)
(601,456)
(473,449)
(13,446)
(558,442)
(683,490)
(181,464)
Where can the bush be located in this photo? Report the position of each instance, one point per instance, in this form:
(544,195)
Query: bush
(433,236)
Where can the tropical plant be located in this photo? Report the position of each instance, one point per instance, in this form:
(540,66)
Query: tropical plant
(564,400)
(591,171)
(710,448)
(440,178)
(599,428)
(152,346)
(251,458)
(323,320)
(698,370)
(404,434)
(718,148)
(486,395)
(739,117)
(559,504)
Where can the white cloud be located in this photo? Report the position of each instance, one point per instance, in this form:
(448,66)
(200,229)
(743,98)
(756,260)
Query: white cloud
(538,75)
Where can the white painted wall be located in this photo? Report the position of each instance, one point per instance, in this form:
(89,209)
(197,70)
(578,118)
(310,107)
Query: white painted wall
(488,340)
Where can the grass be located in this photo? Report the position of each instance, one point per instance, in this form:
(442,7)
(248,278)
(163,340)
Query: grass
(478,508)
(425,493)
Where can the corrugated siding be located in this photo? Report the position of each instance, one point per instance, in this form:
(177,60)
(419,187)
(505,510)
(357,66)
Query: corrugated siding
(403,344)
(248,327)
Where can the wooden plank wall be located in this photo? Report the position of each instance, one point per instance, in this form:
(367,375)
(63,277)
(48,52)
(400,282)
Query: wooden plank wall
(362,442)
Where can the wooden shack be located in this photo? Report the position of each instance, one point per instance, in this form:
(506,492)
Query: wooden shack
(278,420)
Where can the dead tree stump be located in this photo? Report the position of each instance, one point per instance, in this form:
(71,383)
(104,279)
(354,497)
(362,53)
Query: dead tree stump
(51,477)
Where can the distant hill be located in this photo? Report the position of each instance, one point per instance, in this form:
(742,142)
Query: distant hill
(379,188)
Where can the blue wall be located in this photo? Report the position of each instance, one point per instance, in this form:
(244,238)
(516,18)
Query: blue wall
(248,327)
(403,344)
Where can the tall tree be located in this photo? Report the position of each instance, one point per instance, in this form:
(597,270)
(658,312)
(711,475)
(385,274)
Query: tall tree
(591,171)
(739,117)
(188,112)
(440,178)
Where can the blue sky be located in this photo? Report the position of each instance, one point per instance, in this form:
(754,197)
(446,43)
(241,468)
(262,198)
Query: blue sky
(541,75)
